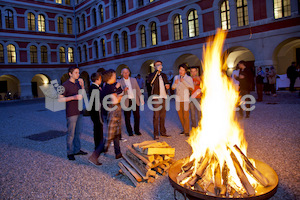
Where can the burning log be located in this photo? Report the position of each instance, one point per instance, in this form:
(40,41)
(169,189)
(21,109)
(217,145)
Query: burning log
(217,181)
(252,170)
(183,176)
(241,174)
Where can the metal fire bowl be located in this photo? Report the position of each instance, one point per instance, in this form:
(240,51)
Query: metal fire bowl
(261,191)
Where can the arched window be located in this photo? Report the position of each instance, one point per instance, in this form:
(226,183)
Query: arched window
(79,54)
(68,2)
(117,43)
(59,1)
(123,5)
(143,36)
(69,26)
(83,22)
(31,21)
(44,54)
(11,54)
(62,54)
(103,47)
(282,8)
(78,24)
(41,23)
(85,53)
(193,24)
(94,16)
(96,49)
(60,24)
(140,3)
(225,15)
(153,34)
(33,54)
(242,12)
(178,33)
(115,8)
(9,19)
(1,54)
(71,54)
(125,41)
(151,1)
(101,13)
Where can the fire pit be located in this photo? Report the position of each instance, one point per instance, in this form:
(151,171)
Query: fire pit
(219,167)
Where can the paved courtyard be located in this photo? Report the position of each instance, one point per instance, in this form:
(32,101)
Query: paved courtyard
(35,168)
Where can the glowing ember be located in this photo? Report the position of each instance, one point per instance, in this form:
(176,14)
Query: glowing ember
(215,161)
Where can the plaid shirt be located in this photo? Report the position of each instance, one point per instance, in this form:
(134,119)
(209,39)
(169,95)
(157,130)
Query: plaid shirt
(114,122)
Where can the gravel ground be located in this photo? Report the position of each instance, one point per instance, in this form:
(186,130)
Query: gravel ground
(40,170)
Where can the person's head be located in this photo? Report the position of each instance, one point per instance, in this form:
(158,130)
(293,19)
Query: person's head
(294,63)
(182,69)
(125,73)
(109,76)
(242,64)
(158,65)
(73,72)
(96,78)
(267,69)
(138,76)
(272,68)
(194,71)
(100,70)
(259,69)
(170,73)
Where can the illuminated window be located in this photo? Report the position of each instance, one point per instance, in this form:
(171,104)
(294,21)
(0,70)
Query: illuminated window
(85,53)
(60,24)
(33,54)
(125,40)
(178,34)
(83,22)
(44,54)
(69,26)
(71,55)
(94,16)
(193,25)
(96,49)
(101,13)
(123,5)
(68,2)
(117,43)
(242,12)
(9,19)
(1,54)
(103,47)
(151,1)
(59,1)
(31,21)
(225,15)
(115,8)
(143,36)
(282,8)
(153,34)
(62,55)
(11,54)
(41,23)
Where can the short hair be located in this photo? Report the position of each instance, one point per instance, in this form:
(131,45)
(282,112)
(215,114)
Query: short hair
(95,76)
(72,68)
(138,75)
(106,75)
(124,69)
(158,62)
(194,67)
(267,68)
(243,63)
(293,63)
(100,70)
(183,66)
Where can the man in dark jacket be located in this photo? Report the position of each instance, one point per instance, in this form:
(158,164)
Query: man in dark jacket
(159,84)
(245,79)
(292,74)
(96,112)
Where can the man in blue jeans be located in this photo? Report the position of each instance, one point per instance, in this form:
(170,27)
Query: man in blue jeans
(74,116)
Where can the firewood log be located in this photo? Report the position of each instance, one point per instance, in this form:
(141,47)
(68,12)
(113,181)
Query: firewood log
(217,182)
(159,151)
(183,176)
(140,169)
(252,170)
(132,171)
(139,145)
(150,180)
(128,174)
(241,174)
(139,156)
(137,162)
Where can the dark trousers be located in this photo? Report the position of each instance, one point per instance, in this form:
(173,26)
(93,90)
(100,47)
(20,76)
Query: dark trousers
(116,141)
(159,117)
(273,88)
(100,148)
(259,90)
(292,84)
(98,129)
(242,93)
(136,115)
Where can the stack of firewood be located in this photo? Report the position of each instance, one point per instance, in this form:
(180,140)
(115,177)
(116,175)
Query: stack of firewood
(144,161)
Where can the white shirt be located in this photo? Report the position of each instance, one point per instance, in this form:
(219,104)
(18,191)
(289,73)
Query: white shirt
(129,91)
(236,82)
(162,89)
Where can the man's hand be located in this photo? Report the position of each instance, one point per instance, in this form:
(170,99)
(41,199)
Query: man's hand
(242,76)
(126,89)
(81,83)
(78,97)
(176,81)
(167,86)
(118,85)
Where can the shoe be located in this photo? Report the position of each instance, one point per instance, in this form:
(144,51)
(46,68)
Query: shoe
(138,133)
(71,157)
(81,153)
(167,136)
(119,156)
(155,138)
(94,160)
(182,133)
(123,139)
(130,134)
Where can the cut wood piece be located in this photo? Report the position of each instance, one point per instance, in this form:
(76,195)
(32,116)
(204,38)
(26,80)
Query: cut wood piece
(217,182)
(198,187)
(155,145)
(159,158)
(137,162)
(252,170)
(138,145)
(151,180)
(187,166)
(151,173)
(132,171)
(241,174)
(139,156)
(202,166)
(193,181)
(159,170)
(128,174)
(183,176)
(150,158)
(160,151)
